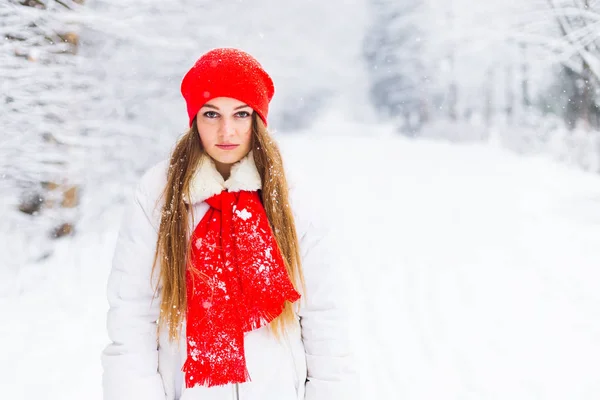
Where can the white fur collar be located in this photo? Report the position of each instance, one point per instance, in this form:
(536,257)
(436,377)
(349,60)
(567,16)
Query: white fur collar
(207,181)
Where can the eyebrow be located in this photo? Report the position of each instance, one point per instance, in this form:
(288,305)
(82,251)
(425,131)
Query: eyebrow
(217,108)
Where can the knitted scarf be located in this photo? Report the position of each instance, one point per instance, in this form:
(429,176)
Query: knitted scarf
(236,278)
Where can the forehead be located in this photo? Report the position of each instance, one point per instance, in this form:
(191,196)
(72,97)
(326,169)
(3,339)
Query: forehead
(224,102)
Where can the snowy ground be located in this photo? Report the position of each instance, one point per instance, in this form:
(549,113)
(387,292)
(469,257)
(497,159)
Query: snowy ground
(476,277)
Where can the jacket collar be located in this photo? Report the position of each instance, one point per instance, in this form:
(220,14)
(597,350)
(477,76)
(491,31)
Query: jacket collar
(207,181)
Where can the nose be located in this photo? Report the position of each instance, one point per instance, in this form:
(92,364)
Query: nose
(227,127)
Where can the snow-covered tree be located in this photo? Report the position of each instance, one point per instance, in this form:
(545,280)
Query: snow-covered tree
(485,60)
(396,65)
(579,51)
(38,87)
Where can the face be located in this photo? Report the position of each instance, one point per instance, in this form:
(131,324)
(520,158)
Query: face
(225,127)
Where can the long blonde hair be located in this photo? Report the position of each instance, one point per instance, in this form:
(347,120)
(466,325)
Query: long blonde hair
(172,245)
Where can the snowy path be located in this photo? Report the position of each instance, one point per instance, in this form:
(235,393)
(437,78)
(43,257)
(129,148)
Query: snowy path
(480,270)
(476,273)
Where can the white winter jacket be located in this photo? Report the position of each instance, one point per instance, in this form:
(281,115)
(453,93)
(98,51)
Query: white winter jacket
(312,362)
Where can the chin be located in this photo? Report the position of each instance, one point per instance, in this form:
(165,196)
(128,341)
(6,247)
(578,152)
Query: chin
(228,158)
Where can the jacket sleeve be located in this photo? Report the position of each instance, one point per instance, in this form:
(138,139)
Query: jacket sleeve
(324,320)
(130,361)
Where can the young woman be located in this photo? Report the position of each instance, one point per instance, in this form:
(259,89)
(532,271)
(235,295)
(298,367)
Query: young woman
(221,287)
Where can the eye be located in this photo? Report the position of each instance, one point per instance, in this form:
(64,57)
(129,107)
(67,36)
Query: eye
(211,114)
(243,114)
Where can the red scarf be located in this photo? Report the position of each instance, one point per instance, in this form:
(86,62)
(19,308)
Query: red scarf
(236,282)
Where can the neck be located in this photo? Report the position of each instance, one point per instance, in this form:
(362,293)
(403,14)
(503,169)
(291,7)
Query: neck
(224,169)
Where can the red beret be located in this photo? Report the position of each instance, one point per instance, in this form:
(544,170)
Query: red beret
(227,72)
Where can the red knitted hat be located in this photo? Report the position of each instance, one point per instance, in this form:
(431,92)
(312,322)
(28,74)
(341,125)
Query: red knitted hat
(227,72)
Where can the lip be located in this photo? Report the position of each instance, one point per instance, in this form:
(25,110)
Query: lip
(227,146)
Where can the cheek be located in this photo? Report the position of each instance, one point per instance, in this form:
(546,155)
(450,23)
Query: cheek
(248,133)
(243,130)
(247,138)
(207,136)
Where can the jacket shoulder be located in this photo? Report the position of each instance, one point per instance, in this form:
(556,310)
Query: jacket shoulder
(149,190)
(154,179)
(310,211)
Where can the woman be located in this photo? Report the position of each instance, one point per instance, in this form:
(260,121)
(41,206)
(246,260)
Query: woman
(218,289)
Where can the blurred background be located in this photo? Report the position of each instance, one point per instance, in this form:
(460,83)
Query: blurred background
(455,144)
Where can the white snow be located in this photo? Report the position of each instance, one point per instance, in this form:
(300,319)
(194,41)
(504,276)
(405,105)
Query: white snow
(243,214)
(475,273)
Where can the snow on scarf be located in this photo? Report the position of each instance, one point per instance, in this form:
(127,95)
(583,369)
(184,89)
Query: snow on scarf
(236,278)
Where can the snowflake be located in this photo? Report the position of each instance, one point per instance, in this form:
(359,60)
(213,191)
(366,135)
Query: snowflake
(243,214)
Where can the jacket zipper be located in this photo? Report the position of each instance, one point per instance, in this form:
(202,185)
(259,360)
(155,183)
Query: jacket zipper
(236,391)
